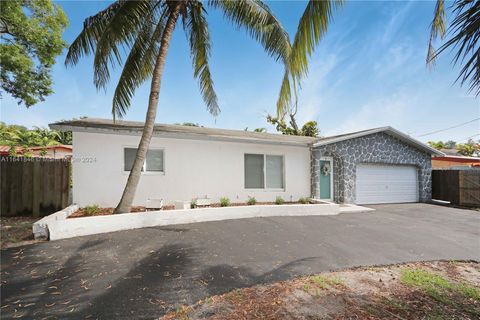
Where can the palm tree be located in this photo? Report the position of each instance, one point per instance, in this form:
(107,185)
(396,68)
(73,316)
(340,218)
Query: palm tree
(145,28)
(63,137)
(311,28)
(465,32)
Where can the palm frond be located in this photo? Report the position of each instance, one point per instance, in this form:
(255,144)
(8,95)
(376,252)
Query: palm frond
(93,28)
(438,28)
(311,28)
(122,30)
(260,23)
(285,96)
(196,27)
(465,30)
(138,66)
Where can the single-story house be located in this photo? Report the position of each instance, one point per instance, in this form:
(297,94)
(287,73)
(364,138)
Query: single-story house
(453,160)
(380,165)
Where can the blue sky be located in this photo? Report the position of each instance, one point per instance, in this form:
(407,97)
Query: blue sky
(368,71)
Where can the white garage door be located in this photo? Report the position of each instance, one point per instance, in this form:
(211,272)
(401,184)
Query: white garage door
(386,184)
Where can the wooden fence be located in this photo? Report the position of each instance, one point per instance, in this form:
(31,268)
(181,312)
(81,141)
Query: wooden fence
(33,186)
(460,187)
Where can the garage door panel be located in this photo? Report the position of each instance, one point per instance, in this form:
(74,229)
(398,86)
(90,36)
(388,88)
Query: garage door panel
(386,184)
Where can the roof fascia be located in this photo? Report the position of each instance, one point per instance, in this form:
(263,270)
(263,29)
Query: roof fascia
(176,135)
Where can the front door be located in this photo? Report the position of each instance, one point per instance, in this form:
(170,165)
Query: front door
(326,179)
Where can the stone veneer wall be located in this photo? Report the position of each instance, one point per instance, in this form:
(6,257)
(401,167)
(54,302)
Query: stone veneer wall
(377,148)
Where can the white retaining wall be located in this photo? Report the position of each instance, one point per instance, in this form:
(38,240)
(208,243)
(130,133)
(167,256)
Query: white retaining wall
(40,228)
(74,227)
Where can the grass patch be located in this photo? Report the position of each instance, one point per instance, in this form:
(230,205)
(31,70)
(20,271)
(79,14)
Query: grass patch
(324,282)
(304,200)
(224,202)
(436,286)
(336,281)
(91,210)
(251,201)
(16,229)
(320,281)
(396,303)
(315,284)
(468,291)
(279,200)
(421,278)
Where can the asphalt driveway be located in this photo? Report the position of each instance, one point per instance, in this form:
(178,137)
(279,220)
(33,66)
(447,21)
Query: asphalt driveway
(144,273)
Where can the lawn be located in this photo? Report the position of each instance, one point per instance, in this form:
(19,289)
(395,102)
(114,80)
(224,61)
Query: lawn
(16,230)
(430,290)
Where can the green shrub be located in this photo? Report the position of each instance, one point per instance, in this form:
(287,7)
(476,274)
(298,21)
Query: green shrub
(251,201)
(279,200)
(91,210)
(304,200)
(224,202)
(193,204)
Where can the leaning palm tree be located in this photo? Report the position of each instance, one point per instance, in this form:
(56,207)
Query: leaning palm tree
(465,33)
(311,28)
(145,28)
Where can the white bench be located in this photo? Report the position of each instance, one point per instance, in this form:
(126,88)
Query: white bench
(154,204)
(204,202)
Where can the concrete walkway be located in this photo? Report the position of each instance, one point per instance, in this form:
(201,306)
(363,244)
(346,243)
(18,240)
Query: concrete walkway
(144,273)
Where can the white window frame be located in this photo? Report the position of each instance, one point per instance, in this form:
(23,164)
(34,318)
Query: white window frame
(144,171)
(265,173)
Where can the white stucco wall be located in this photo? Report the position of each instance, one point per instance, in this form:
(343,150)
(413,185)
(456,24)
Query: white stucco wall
(193,168)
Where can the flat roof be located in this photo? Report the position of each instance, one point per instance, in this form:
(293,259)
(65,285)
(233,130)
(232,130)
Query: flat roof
(171,130)
(192,132)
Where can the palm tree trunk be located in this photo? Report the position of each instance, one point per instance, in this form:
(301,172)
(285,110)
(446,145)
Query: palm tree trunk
(125,203)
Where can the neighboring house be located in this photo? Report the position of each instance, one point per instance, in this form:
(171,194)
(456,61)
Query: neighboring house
(455,161)
(380,165)
(54,152)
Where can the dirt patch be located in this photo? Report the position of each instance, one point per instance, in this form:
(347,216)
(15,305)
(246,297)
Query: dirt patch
(440,290)
(15,231)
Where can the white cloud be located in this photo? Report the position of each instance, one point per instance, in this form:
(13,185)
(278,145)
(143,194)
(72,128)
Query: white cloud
(315,87)
(396,21)
(398,58)
(393,111)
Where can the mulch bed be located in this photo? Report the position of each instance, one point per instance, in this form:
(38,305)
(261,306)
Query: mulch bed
(101,212)
(108,211)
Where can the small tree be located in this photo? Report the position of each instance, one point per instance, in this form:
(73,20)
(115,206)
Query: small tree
(31,32)
(450,144)
(469,149)
(310,128)
(19,136)
(436,144)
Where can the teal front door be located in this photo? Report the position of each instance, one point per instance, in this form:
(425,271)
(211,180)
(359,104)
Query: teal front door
(326,168)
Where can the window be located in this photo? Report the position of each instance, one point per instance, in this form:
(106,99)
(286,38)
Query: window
(254,171)
(274,165)
(153,163)
(263,171)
